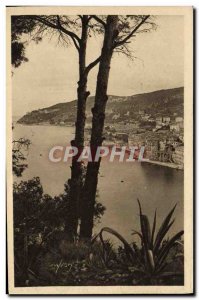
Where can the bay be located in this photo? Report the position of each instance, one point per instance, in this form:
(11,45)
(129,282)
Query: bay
(119,185)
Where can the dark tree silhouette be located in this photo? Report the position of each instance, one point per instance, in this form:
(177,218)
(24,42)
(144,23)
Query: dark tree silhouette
(118,32)
(75,30)
(19,149)
(19,26)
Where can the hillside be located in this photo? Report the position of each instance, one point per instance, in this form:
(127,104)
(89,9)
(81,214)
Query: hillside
(163,102)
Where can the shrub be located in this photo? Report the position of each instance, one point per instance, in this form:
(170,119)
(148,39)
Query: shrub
(150,264)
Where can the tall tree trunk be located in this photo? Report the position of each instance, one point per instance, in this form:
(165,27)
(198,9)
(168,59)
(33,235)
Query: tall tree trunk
(90,186)
(76,169)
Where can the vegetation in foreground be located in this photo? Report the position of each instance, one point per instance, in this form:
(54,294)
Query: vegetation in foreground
(43,257)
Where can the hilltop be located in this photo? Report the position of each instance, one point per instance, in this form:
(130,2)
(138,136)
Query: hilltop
(167,102)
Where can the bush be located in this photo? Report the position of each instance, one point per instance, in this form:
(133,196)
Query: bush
(39,230)
(158,260)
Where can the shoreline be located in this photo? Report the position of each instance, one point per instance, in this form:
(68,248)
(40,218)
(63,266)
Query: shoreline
(165,164)
(45,124)
(153,162)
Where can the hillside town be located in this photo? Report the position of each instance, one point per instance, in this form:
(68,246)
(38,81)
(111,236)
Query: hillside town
(153,120)
(162,136)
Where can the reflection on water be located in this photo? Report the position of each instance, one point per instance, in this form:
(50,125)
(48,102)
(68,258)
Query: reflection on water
(119,185)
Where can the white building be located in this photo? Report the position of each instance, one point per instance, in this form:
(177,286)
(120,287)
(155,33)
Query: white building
(146,117)
(127,113)
(179,119)
(151,119)
(116,116)
(158,120)
(166,120)
(141,112)
(175,127)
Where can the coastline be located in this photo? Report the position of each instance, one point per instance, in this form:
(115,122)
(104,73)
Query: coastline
(165,164)
(158,163)
(45,124)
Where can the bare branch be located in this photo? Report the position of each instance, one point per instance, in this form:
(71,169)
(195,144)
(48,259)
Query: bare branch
(72,35)
(124,49)
(92,65)
(121,42)
(98,20)
(68,32)
(44,21)
(80,17)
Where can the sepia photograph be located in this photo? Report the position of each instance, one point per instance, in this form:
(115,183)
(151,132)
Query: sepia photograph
(99,150)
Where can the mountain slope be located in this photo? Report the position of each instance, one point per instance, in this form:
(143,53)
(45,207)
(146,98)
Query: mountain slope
(167,102)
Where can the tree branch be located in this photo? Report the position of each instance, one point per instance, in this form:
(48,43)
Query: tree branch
(72,35)
(44,21)
(98,20)
(80,16)
(119,43)
(58,26)
(92,65)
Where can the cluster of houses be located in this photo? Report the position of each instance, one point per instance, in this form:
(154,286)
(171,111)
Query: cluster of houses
(175,125)
(163,139)
(145,122)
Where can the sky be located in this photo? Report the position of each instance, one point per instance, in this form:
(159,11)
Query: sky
(51,74)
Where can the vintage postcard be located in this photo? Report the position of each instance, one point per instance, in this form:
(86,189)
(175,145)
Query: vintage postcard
(100,150)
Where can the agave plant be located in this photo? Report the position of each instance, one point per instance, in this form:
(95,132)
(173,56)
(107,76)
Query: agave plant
(156,248)
(152,259)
